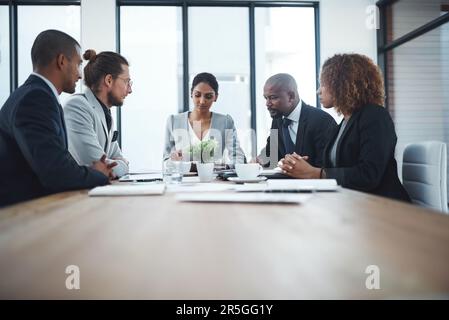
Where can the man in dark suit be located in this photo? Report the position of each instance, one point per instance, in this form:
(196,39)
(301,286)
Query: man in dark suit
(34,159)
(296,126)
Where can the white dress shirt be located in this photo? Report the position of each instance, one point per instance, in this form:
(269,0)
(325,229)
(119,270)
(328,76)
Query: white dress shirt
(294,117)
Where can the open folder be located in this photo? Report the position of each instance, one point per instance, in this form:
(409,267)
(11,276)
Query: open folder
(143,189)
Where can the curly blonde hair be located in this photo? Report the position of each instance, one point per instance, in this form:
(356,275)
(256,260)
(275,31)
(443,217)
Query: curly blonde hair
(353,81)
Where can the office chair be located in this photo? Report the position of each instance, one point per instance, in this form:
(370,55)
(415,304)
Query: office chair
(424,174)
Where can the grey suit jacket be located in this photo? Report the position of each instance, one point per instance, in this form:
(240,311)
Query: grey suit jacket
(222,129)
(87,132)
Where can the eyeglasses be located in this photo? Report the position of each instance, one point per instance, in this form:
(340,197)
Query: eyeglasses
(128,82)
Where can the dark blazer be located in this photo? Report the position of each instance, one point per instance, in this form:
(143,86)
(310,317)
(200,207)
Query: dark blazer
(365,154)
(34,159)
(314,130)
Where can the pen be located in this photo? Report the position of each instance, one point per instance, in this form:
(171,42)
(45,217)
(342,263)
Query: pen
(289,191)
(148,180)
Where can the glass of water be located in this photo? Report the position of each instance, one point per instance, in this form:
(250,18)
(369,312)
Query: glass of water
(172,171)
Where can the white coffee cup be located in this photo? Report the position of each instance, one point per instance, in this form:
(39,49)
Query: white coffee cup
(205,171)
(248,171)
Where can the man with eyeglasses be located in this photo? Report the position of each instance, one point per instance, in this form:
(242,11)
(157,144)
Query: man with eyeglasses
(296,126)
(88,115)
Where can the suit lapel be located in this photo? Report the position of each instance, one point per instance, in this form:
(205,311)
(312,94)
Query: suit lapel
(64,129)
(277,125)
(343,135)
(98,109)
(302,124)
(329,144)
(32,78)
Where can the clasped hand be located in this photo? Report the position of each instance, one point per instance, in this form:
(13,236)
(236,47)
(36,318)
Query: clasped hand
(296,166)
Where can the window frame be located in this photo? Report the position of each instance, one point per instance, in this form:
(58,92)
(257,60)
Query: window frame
(251,5)
(384,47)
(13,31)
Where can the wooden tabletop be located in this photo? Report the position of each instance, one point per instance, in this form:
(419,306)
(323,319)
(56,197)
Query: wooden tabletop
(157,248)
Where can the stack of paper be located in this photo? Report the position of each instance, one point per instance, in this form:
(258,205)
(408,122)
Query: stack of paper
(243,197)
(199,187)
(304,184)
(142,189)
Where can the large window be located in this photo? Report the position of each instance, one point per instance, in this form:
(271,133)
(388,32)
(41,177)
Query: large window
(4,55)
(150,38)
(417,70)
(418,82)
(407,15)
(285,43)
(241,45)
(63,18)
(222,49)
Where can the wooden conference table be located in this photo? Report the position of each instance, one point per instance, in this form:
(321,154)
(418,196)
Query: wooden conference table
(157,248)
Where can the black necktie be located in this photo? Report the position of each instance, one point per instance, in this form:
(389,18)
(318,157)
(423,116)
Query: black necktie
(108,116)
(288,143)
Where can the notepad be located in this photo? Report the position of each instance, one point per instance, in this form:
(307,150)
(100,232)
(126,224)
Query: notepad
(243,197)
(143,189)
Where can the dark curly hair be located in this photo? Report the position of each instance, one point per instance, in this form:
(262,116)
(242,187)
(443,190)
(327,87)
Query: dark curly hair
(353,81)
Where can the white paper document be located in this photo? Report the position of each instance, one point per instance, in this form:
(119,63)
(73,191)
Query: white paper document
(141,189)
(291,185)
(243,197)
(199,187)
(304,184)
(142,177)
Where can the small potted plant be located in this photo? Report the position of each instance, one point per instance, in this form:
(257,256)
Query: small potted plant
(203,155)
(203,152)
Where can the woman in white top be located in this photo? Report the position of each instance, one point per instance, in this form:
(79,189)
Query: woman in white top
(189,129)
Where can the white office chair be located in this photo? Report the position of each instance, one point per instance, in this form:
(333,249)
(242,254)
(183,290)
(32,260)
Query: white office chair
(424,174)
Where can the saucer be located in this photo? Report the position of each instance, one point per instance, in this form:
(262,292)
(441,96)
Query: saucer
(240,180)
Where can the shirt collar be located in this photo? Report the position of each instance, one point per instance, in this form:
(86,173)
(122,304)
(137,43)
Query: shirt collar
(105,109)
(294,115)
(49,83)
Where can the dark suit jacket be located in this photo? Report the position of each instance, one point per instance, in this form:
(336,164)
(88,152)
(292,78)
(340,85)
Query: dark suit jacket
(314,130)
(34,159)
(365,154)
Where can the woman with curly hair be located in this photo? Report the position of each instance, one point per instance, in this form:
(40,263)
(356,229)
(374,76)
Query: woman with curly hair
(360,153)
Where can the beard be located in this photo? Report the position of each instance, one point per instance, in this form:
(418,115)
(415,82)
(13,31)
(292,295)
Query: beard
(114,101)
(71,89)
(275,114)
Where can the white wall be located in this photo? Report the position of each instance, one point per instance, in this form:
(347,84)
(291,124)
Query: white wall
(343,29)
